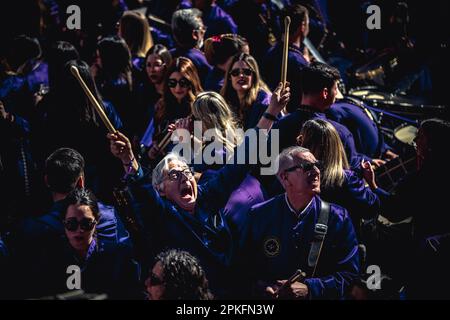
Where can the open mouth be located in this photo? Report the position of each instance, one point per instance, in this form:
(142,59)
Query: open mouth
(186,192)
(242,82)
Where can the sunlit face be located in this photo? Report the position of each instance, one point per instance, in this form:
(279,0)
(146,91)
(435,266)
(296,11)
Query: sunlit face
(331,95)
(301,181)
(181,88)
(82,217)
(155,283)
(241,76)
(155,68)
(180,186)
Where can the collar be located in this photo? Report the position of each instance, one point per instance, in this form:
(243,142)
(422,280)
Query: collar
(298,215)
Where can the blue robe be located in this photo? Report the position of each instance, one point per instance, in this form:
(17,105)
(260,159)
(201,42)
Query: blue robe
(205,233)
(277,243)
(368,138)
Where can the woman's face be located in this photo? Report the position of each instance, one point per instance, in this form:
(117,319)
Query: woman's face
(241,76)
(155,68)
(79,226)
(179,86)
(155,283)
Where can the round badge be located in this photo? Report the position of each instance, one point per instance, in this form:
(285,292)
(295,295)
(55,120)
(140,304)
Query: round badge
(272,247)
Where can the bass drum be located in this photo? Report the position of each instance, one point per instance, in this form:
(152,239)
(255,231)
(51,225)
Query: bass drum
(397,103)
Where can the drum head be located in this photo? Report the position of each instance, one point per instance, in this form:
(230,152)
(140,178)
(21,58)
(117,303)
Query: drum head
(406,134)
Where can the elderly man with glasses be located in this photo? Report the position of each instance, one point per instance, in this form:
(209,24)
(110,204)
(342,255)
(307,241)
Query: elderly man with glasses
(179,213)
(297,230)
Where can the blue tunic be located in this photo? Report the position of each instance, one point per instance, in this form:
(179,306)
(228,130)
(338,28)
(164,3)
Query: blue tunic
(255,112)
(368,139)
(277,243)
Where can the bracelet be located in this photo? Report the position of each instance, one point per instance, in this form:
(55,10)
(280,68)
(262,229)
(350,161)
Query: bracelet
(129,164)
(270,116)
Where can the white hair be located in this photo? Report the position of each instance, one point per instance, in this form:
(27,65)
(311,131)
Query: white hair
(287,158)
(163,166)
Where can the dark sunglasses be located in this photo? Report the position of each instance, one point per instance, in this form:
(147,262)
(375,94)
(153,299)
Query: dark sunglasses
(85,224)
(175,175)
(154,280)
(184,83)
(306,166)
(246,72)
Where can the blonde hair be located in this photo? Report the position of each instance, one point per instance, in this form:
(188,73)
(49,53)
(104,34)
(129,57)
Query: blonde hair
(211,108)
(134,28)
(322,139)
(258,84)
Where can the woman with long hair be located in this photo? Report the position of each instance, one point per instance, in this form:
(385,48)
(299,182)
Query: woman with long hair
(338,183)
(219,125)
(245,90)
(134,28)
(114,79)
(219,51)
(181,86)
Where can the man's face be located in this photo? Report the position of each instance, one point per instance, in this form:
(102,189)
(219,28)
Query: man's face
(330,97)
(155,283)
(180,186)
(302,181)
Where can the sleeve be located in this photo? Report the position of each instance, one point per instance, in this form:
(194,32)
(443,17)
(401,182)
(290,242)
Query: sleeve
(346,269)
(365,200)
(231,175)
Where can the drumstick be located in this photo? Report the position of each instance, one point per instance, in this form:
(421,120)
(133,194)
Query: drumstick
(165,141)
(93,100)
(284,63)
(296,276)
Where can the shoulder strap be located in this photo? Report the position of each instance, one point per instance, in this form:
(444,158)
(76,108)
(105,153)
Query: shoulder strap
(320,230)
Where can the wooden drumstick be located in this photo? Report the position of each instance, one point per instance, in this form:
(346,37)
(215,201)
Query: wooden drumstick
(284,63)
(299,275)
(93,100)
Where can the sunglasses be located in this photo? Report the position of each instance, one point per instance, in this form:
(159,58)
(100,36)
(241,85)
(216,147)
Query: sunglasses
(246,72)
(306,166)
(175,175)
(85,224)
(184,83)
(155,280)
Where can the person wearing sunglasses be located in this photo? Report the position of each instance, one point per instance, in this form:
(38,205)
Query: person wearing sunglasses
(245,91)
(104,266)
(280,233)
(179,213)
(181,86)
(177,275)
(340,184)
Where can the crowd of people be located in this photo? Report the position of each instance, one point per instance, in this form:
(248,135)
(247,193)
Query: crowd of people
(142,220)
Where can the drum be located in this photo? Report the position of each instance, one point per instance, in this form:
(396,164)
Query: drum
(406,134)
(397,103)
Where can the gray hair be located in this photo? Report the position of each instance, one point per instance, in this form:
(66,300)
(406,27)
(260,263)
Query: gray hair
(287,158)
(163,166)
(185,21)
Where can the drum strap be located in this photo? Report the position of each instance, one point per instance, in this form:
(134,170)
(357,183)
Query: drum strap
(320,230)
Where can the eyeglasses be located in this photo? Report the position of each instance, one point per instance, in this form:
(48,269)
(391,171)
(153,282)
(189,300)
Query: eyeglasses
(306,166)
(183,82)
(85,224)
(155,280)
(156,65)
(237,72)
(175,175)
